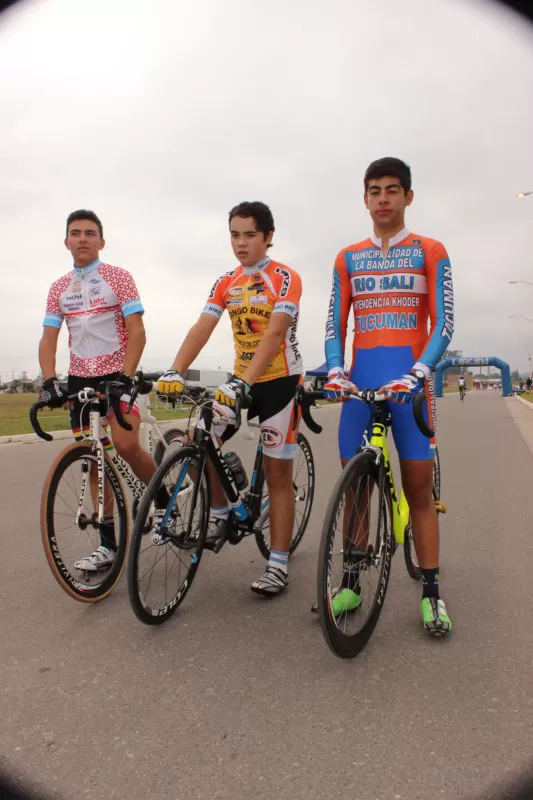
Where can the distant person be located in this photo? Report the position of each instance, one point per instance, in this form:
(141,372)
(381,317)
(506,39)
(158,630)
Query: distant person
(528,384)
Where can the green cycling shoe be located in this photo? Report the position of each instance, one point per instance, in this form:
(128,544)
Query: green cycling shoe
(435,616)
(342,601)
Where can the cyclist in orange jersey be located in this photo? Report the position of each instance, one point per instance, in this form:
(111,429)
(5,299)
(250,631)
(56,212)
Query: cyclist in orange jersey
(262,297)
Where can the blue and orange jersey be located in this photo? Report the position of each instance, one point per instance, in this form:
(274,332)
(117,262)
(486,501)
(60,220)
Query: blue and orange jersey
(401,300)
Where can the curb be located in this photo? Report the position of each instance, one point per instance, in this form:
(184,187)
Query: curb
(32,438)
(524,402)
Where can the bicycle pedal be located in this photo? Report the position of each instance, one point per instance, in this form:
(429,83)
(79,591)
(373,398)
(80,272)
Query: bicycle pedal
(216,546)
(440,507)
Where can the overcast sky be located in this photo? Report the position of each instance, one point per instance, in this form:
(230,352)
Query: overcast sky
(161,116)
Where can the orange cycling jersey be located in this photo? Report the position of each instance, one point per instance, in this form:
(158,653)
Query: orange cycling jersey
(252,295)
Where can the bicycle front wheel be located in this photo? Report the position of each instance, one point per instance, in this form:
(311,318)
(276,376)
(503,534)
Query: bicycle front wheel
(69,526)
(355,556)
(303,482)
(171,436)
(164,555)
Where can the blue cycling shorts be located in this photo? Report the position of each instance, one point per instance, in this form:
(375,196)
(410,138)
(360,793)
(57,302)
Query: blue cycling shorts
(371,370)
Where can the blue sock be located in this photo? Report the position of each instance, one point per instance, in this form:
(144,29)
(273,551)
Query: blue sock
(279,560)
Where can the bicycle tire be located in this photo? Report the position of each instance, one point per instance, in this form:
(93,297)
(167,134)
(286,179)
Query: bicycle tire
(411,561)
(169,436)
(262,535)
(191,539)
(72,584)
(360,471)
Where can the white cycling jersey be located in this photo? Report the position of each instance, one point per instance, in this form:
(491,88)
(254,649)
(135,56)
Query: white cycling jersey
(94,302)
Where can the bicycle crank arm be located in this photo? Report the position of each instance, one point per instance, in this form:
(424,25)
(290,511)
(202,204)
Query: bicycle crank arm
(261,519)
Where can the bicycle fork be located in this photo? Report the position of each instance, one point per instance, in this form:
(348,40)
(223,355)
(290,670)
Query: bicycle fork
(97,518)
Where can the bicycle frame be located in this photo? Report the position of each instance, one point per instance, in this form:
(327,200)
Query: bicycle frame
(97,432)
(377,445)
(247,515)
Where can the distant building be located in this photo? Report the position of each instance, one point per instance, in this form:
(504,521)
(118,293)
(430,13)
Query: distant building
(22,386)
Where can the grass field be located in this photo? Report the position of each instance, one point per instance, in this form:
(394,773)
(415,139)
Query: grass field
(14,410)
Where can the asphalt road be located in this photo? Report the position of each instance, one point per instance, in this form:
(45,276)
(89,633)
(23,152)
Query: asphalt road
(238,697)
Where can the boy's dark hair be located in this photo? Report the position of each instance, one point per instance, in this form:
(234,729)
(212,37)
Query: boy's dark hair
(82,213)
(260,212)
(389,166)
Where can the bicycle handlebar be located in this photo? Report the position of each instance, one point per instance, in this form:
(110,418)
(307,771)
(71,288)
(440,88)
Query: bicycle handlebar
(418,411)
(370,396)
(306,400)
(35,422)
(114,403)
(88,394)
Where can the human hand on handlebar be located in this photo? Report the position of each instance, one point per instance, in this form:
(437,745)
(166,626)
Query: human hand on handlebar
(52,394)
(403,389)
(171,383)
(226,394)
(338,386)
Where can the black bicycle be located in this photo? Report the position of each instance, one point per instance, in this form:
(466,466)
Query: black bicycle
(162,563)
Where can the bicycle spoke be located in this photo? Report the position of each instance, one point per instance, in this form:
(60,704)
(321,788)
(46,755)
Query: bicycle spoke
(66,543)
(354,552)
(159,573)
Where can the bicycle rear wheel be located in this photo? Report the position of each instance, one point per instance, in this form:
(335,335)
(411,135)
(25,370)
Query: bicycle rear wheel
(69,527)
(355,555)
(303,481)
(161,571)
(411,560)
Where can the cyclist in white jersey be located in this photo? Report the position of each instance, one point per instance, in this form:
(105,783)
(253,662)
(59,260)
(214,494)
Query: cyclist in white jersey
(103,312)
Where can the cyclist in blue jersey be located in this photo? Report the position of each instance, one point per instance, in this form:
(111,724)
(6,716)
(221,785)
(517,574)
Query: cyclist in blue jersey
(399,285)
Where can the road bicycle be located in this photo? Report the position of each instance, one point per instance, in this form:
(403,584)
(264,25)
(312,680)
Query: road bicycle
(462,392)
(366,520)
(163,561)
(73,507)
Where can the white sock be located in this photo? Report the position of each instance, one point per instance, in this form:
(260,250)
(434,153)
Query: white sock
(220,512)
(280,560)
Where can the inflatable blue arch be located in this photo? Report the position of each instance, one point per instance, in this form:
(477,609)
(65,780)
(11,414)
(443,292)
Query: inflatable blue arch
(492,361)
